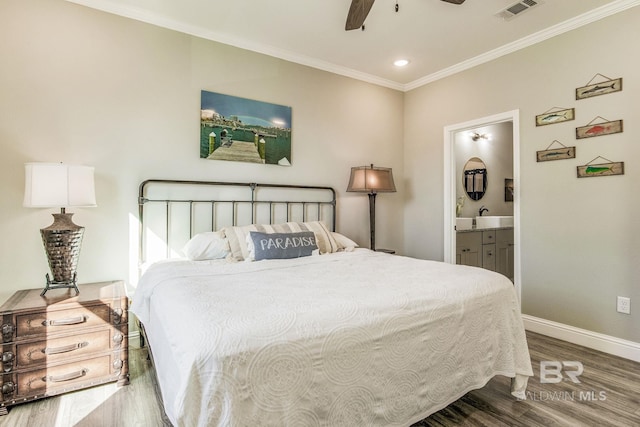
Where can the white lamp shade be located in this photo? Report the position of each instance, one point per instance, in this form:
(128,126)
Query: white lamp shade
(49,185)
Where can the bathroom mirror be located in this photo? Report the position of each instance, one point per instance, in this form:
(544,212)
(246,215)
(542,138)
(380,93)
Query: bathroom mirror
(474,178)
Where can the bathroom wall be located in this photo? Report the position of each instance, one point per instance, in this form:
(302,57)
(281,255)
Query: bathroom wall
(497,155)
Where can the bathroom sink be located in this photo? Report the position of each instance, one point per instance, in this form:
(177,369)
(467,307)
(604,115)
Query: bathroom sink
(494,221)
(464,223)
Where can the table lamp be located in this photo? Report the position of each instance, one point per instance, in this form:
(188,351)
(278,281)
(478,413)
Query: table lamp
(50,185)
(371,180)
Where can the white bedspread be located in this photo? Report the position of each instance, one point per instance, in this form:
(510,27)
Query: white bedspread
(346,339)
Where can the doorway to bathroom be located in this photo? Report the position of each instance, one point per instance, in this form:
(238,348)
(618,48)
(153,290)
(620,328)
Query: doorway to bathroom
(467,181)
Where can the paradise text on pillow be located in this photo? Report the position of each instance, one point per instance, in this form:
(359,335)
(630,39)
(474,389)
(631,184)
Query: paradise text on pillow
(288,242)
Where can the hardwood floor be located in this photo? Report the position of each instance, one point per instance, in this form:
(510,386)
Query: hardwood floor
(608,395)
(106,405)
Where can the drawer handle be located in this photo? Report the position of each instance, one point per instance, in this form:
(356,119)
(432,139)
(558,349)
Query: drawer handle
(117,316)
(7,361)
(63,322)
(64,348)
(7,389)
(7,332)
(65,377)
(117,339)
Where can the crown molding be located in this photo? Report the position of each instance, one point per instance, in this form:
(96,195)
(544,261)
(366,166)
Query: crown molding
(164,22)
(566,26)
(148,17)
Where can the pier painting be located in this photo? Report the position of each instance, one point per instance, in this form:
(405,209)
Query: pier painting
(244,130)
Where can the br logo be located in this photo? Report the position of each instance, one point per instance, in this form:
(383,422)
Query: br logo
(551,371)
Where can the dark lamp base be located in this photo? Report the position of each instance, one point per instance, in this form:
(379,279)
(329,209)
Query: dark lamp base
(73,284)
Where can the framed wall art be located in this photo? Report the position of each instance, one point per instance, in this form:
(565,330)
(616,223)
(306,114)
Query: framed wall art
(604,127)
(508,189)
(558,153)
(592,169)
(555,115)
(244,130)
(601,88)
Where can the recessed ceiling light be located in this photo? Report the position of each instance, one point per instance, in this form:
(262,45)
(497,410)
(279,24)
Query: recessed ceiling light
(401,62)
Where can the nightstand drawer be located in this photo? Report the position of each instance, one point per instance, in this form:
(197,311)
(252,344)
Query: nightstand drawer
(61,349)
(54,322)
(48,381)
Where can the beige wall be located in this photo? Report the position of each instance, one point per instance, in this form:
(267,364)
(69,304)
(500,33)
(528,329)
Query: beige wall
(579,237)
(82,86)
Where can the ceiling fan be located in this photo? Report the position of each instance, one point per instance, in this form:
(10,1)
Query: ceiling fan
(359,10)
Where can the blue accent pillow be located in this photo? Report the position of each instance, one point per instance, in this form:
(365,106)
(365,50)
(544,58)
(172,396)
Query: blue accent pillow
(283,245)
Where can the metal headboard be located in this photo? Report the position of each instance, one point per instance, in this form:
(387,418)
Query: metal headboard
(209,205)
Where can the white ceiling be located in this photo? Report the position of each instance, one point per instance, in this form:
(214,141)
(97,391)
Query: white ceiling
(437,37)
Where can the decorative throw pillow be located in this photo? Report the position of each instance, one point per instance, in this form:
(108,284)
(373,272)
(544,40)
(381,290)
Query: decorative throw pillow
(344,243)
(208,245)
(282,245)
(237,236)
(326,243)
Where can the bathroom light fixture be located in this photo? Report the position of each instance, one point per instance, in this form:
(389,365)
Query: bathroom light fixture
(476,136)
(401,62)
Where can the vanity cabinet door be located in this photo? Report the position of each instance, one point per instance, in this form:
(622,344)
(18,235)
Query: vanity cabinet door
(489,257)
(505,252)
(489,250)
(468,248)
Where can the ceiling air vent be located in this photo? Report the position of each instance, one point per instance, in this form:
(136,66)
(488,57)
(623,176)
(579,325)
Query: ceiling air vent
(516,9)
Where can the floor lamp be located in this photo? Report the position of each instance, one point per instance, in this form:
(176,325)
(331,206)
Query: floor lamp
(371,180)
(59,185)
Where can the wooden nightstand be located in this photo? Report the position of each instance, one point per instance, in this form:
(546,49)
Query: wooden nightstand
(61,342)
(386,251)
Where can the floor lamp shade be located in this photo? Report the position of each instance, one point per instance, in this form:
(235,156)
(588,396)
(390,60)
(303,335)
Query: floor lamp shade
(58,185)
(371,180)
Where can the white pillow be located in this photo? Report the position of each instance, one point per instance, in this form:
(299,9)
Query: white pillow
(344,243)
(208,245)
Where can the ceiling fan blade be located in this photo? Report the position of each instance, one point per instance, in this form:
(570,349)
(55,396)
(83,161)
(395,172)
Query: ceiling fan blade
(454,1)
(358,12)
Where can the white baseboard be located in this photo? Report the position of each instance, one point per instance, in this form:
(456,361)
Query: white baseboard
(606,343)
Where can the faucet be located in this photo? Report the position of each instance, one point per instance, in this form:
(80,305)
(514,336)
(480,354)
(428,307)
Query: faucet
(482,210)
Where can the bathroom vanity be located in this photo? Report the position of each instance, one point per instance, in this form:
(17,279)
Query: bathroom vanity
(489,248)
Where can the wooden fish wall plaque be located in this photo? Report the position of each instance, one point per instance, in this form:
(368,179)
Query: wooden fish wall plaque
(602,88)
(553,117)
(599,129)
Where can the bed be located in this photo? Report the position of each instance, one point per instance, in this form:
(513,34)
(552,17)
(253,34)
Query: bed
(342,338)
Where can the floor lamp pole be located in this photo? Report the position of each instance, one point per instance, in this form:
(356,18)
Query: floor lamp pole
(372,219)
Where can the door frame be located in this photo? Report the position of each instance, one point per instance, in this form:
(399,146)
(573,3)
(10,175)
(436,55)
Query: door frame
(450,180)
